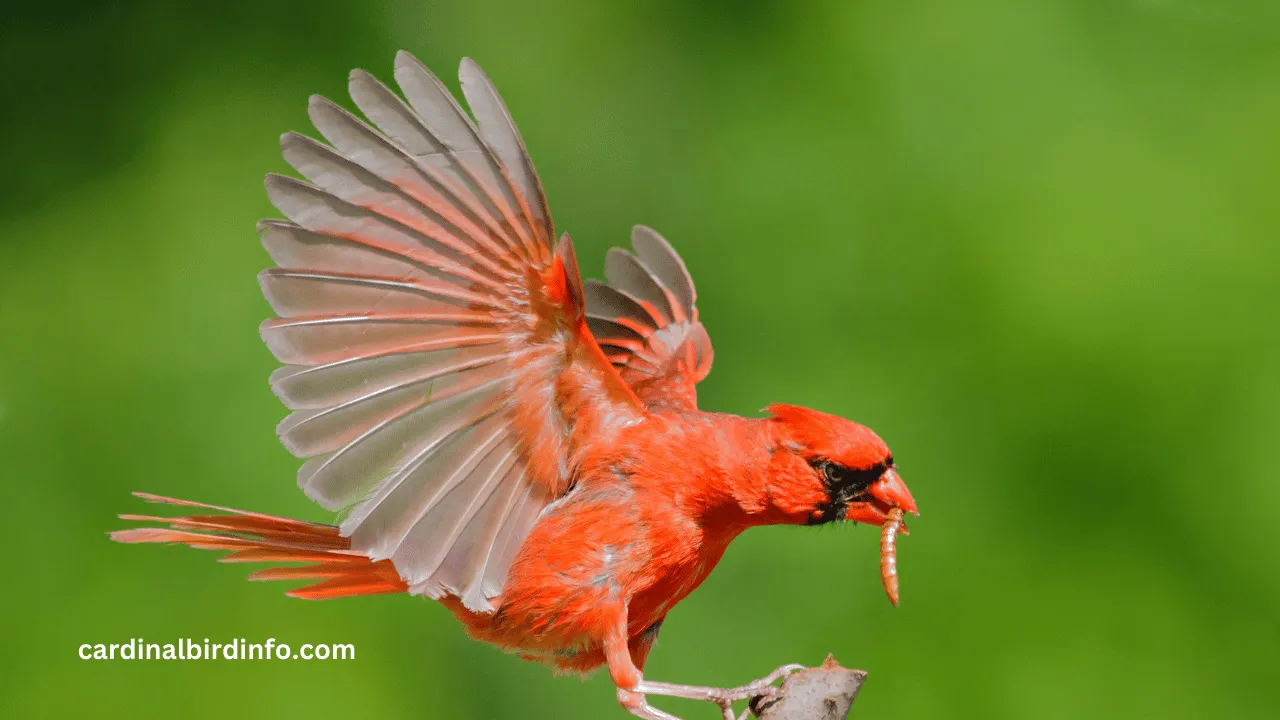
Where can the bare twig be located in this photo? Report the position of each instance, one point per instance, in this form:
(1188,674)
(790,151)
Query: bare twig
(826,692)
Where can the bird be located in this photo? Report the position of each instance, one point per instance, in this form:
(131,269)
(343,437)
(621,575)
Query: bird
(498,435)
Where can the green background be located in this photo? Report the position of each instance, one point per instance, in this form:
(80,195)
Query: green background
(1033,244)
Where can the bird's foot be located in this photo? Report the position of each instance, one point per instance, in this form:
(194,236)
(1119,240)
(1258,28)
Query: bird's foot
(724,697)
(637,705)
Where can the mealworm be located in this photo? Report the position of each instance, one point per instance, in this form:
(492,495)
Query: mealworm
(889,553)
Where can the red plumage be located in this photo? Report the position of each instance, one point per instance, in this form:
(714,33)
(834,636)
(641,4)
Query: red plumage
(522,447)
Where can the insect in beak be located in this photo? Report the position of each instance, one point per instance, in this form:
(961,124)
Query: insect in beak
(887,492)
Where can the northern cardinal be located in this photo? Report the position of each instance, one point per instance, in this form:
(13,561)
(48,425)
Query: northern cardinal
(516,444)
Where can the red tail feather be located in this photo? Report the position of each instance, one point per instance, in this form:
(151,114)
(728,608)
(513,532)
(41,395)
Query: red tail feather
(254,537)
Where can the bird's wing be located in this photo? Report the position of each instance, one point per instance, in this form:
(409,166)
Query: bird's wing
(431,335)
(645,320)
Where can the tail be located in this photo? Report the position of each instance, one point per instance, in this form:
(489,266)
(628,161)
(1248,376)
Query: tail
(254,537)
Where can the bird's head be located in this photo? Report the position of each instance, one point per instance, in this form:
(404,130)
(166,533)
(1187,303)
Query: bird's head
(837,469)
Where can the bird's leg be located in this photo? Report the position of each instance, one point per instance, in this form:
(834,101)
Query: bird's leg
(632,687)
(625,674)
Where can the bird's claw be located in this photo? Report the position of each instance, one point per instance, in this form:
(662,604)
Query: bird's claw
(765,685)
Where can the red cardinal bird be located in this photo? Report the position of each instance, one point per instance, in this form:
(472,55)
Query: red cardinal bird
(523,447)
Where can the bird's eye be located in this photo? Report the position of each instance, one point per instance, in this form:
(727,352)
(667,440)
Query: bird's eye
(848,481)
(832,472)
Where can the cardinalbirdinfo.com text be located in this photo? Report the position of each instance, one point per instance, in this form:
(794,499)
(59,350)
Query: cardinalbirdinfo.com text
(238,649)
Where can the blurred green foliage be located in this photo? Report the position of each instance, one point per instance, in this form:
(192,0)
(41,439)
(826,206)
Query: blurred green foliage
(1034,244)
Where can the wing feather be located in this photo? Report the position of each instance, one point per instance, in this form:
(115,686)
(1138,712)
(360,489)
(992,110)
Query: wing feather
(499,130)
(627,273)
(458,137)
(350,181)
(421,317)
(656,253)
(610,303)
(456,172)
(474,549)
(646,322)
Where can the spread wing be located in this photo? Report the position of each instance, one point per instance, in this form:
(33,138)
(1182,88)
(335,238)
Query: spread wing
(429,331)
(645,320)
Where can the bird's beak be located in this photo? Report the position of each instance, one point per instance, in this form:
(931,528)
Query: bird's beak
(890,489)
(887,492)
